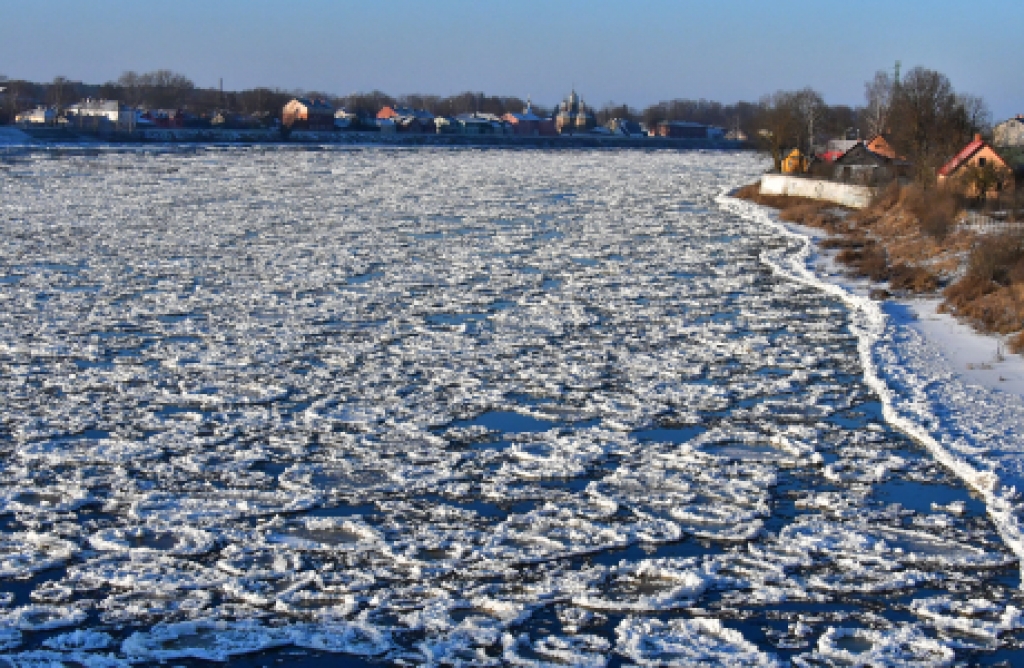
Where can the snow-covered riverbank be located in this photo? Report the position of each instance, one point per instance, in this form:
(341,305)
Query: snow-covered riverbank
(944,384)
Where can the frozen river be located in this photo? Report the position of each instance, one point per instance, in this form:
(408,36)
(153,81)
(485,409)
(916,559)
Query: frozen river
(461,407)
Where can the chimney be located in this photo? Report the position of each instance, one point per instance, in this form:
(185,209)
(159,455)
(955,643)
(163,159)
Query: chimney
(977,137)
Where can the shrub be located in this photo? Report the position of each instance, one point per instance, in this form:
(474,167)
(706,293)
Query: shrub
(997,259)
(1016,343)
(868,260)
(913,279)
(968,289)
(935,209)
(842,242)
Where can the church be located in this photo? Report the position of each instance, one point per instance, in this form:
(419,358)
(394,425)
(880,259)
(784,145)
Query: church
(573,116)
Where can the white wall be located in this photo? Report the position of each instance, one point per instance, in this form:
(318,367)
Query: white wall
(856,197)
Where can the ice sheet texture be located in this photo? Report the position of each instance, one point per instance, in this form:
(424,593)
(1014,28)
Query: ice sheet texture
(457,406)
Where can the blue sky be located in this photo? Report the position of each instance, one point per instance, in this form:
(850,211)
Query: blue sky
(633,51)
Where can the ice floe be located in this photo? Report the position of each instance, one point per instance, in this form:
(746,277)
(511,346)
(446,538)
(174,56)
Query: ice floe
(469,407)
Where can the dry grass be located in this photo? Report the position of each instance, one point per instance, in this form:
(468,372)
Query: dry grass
(885,241)
(909,237)
(917,280)
(991,293)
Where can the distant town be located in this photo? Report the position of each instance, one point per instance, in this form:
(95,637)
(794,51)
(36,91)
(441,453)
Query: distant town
(162,100)
(910,127)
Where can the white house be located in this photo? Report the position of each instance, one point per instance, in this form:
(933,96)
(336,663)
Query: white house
(1009,133)
(37,116)
(111,110)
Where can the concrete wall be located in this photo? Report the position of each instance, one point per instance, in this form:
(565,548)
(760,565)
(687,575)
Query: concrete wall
(856,197)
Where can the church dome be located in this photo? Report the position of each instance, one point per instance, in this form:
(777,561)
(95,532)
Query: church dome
(573,115)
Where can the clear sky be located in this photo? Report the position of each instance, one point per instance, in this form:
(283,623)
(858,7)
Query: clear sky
(626,51)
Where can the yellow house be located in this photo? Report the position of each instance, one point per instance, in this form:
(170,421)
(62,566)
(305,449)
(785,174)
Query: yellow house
(979,155)
(794,163)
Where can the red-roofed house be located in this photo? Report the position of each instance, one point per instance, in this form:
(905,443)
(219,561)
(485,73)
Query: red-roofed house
(976,154)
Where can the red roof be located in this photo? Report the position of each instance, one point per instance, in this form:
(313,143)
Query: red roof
(963,156)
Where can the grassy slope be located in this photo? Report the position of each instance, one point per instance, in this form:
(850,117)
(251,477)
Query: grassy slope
(908,237)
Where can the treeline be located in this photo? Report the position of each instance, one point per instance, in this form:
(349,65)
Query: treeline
(161,89)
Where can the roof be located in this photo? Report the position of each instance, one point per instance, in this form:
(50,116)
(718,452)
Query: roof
(318,105)
(405,112)
(963,156)
(683,124)
(879,144)
(841,146)
(527,116)
(861,152)
(97,105)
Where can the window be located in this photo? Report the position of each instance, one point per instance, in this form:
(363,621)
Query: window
(981,162)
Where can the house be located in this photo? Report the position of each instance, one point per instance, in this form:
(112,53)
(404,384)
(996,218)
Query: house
(976,154)
(395,113)
(526,124)
(548,127)
(863,166)
(110,111)
(573,116)
(303,113)
(227,120)
(37,116)
(412,125)
(625,128)
(794,163)
(482,124)
(687,130)
(165,118)
(1010,133)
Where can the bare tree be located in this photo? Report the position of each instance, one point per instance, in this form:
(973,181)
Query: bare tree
(878,93)
(16,89)
(165,89)
(976,115)
(811,111)
(58,90)
(131,86)
(930,122)
(779,124)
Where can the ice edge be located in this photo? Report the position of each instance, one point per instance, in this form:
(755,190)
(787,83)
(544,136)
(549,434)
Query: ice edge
(868,324)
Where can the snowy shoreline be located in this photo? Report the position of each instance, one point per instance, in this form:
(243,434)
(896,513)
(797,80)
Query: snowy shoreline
(930,374)
(976,357)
